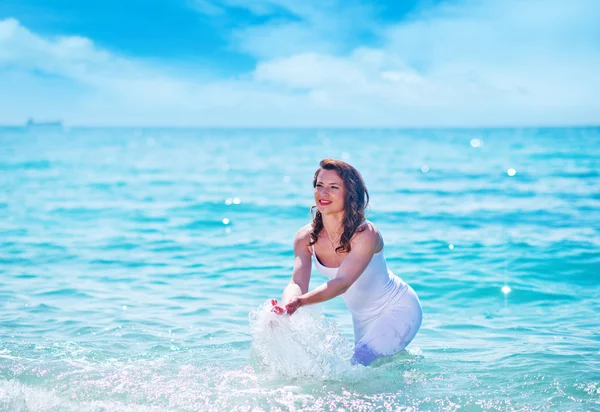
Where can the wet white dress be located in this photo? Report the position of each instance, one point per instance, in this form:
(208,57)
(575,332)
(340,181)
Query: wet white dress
(386,312)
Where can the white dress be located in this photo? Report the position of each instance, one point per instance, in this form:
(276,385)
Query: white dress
(386,312)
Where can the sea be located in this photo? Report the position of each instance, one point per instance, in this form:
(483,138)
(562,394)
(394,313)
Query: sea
(136,266)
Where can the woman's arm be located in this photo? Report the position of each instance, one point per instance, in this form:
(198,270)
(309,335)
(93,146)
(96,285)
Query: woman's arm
(301,272)
(363,248)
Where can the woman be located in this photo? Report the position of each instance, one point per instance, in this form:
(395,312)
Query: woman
(348,249)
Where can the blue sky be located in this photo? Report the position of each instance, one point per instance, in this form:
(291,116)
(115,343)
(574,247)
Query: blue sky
(312,63)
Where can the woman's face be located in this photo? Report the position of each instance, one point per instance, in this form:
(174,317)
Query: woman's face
(329,192)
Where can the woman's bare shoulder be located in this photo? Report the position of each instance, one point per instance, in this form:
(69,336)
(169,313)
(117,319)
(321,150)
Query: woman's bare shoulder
(302,238)
(303,234)
(367,230)
(369,234)
(368,227)
(304,231)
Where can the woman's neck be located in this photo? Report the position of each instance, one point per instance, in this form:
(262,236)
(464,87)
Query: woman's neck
(334,224)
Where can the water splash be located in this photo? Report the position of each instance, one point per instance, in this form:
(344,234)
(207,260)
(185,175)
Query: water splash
(303,345)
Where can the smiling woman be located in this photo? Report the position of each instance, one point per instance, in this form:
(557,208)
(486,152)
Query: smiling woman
(348,249)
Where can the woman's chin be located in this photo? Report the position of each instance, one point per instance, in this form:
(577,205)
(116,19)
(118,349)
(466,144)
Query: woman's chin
(328,210)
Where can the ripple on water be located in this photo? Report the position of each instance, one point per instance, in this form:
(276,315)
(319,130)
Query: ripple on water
(64,292)
(123,289)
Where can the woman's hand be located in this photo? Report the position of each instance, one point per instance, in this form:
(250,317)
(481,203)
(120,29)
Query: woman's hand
(293,305)
(280,310)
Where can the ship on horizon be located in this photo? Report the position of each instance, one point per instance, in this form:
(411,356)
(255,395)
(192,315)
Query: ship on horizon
(54,124)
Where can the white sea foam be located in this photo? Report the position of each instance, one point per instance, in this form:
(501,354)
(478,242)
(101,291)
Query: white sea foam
(17,397)
(305,344)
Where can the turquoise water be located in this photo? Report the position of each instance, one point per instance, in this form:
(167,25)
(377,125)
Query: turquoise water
(134,265)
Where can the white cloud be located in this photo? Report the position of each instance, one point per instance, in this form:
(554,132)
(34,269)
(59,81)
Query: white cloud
(71,78)
(525,53)
(366,77)
(206,7)
(292,27)
(77,59)
(486,62)
(309,71)
(470,63)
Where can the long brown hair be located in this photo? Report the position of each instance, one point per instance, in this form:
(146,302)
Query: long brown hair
(355,202)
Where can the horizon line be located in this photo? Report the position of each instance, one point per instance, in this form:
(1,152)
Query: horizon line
(67,127)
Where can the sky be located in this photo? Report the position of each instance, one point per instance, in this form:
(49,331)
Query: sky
(290,63)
